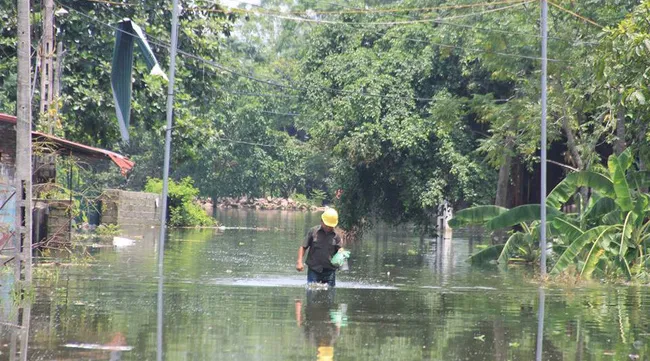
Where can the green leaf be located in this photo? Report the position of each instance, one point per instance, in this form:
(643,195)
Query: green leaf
(521,214)
(613,217)
(487,255)
(592,235)
(639,97)
(625,159)
(639,179)
(626,234)
(621,188)
(510,247)
(595,253)
(600,208)
(568,229)
(475,215)
(565,189)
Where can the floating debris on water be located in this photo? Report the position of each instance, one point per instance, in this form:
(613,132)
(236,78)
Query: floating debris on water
(91,346)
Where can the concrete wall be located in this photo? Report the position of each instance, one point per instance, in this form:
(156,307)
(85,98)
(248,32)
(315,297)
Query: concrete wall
(130,208)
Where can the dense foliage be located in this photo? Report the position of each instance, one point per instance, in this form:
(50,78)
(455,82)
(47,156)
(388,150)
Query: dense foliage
(183,209)
(399,110)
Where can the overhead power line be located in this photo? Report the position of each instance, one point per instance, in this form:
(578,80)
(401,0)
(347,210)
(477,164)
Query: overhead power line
(294,86)
(399,22)
(575,14)
(310,12)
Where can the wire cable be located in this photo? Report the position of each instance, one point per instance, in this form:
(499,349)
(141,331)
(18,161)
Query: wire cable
(402,22)
(583,18)
(353,11)
(293,86)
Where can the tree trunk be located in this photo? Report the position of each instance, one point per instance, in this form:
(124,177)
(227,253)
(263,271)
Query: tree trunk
(504,177)
(575,156)
(503,182)
(571,144)
(620,145)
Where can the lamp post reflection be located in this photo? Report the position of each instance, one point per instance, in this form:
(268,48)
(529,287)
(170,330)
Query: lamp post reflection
(159,312)
(540,325)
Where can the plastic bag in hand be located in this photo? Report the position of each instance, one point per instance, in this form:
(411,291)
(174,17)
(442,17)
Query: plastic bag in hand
(339,258)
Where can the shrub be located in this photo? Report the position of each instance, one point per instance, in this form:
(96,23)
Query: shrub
(182,208)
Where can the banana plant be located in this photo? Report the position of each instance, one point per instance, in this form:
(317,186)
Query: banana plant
(609,236)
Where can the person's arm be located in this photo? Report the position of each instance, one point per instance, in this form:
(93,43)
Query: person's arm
(301,256)
(301,251)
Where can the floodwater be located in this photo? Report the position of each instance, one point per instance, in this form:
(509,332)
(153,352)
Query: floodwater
(234,295)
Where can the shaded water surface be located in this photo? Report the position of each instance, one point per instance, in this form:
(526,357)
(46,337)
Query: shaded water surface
(234,295)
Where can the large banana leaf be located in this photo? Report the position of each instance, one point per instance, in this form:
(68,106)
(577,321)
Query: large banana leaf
(621,187)
(475,215)
(565,189)
(592,260)
(600,208)
(613,217)
(625,159)
(593,235)
(510,247)
(628,228)
(518,215)
(487,254)
(566,228)
(640,179)
(641,208)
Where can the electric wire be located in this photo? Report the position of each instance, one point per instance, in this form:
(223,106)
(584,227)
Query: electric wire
(214,64)
(583,18)
(400,22)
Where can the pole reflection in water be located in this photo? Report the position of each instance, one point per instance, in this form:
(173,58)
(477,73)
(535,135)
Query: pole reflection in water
(20,332)
(159,329)
(321,321)
(540,325)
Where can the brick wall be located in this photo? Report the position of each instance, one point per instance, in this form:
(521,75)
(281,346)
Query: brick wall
(130,208)
(51,221)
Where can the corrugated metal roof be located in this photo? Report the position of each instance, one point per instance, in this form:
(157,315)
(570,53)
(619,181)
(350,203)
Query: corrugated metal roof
(124,163)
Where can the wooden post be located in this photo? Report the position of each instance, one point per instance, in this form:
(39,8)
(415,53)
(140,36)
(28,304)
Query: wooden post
(47,53)
(23,150)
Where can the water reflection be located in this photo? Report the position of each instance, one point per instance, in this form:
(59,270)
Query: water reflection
(231,295)
(321,320)
(540,325)
(18,329)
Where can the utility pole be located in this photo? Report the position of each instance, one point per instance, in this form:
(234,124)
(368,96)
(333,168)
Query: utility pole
(23,241)
(168,141)
(47,54)
(542,190)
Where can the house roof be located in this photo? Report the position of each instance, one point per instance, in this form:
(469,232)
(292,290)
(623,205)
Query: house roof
(124,163)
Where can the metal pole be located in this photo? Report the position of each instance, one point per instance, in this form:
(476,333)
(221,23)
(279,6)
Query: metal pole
(168,129)
(542,241)
(168,140)
(23,150)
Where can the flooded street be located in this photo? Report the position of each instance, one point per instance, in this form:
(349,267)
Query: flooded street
(234,294)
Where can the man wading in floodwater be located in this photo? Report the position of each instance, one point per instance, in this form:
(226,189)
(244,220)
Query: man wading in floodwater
(323,242)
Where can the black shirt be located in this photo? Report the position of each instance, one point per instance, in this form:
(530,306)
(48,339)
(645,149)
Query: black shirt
(322,246)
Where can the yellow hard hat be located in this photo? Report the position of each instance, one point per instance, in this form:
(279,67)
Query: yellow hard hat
(330,217)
